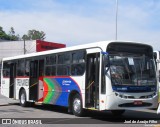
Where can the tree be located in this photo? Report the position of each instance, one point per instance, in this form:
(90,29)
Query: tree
(3,34)
(34,35)
(12,35)
(12,32)
(25,37)
(31,35)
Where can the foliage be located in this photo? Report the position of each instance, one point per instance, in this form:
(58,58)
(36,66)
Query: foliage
(3,35)
(34,35)
(31,35)
(11,36)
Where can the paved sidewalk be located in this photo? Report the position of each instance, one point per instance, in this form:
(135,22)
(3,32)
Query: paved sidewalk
(6,101)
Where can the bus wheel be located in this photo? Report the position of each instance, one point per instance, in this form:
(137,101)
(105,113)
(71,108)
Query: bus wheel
(23,99)
(117,112)
(77,105)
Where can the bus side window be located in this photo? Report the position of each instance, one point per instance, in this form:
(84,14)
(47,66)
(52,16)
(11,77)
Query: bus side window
(159,75)
(6,69)
(78,63)
(63,67)
(63,70)
(50,65)
(27,68)
(6,73)
(77,69)
(20,67)
(48,71)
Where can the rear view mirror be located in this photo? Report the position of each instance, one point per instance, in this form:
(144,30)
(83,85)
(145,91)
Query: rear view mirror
(105,61)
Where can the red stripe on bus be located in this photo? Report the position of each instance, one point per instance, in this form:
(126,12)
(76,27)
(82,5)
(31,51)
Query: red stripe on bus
(6,77)
(22,77)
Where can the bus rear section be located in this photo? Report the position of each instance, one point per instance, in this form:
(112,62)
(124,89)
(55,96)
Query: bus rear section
(55,78)
(7,80)
(131,80)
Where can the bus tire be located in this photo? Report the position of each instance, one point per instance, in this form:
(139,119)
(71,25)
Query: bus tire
(23,99)
(117,112)
(77,106)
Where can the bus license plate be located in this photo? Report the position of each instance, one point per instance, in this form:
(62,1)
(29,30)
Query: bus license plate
(137,102)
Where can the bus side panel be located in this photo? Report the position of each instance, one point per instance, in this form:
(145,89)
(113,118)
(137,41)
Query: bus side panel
(159,94)
(40,89)
(22,83)
(5,87)
(57,89)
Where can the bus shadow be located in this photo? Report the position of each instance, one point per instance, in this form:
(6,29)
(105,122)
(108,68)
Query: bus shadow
(128,117)
(54,108)
(107,116)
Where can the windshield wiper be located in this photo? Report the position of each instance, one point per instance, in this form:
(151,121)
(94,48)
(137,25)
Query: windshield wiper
(126,67)
(141,64)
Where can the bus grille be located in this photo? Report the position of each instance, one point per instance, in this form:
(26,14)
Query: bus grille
(144,104)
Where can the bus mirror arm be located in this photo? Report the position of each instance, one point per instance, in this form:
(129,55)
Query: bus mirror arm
(106,59)
(158,61)
(106,63)
(107,70)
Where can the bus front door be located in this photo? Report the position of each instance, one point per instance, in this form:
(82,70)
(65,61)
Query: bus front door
(92,81)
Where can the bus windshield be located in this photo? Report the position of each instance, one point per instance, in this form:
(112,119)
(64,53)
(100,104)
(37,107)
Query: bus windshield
(132,70)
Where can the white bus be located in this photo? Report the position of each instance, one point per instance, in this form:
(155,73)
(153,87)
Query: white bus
(108,75)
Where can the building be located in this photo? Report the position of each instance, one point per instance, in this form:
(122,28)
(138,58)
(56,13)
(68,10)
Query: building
(13,48)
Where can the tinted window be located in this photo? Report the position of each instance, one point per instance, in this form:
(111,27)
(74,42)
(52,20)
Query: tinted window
(77,69)
(6,69)
(63,70)
(27,67)
(50,60)
(50,67)
(50,70)
(20,67)
(78,60)
(68,63)
(64,64)
(64,58)
(78,57)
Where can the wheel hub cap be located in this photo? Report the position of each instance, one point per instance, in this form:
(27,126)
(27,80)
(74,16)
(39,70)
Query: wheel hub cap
(77,105)
(22,98)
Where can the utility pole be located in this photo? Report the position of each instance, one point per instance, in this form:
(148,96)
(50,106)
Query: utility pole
(24,47)
(116,17)
(24,44)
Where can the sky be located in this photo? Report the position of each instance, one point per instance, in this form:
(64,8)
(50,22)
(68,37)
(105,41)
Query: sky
(75,22)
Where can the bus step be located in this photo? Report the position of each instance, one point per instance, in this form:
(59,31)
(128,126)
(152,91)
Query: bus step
(92,108)
(38,103)
(97,106)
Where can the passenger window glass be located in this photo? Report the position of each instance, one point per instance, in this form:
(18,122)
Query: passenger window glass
(20,67)
(78,66)
(63,70)
(77,69)
(50,68)
(6,69)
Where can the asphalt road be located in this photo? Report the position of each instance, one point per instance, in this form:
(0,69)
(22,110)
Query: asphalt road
(48,114)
